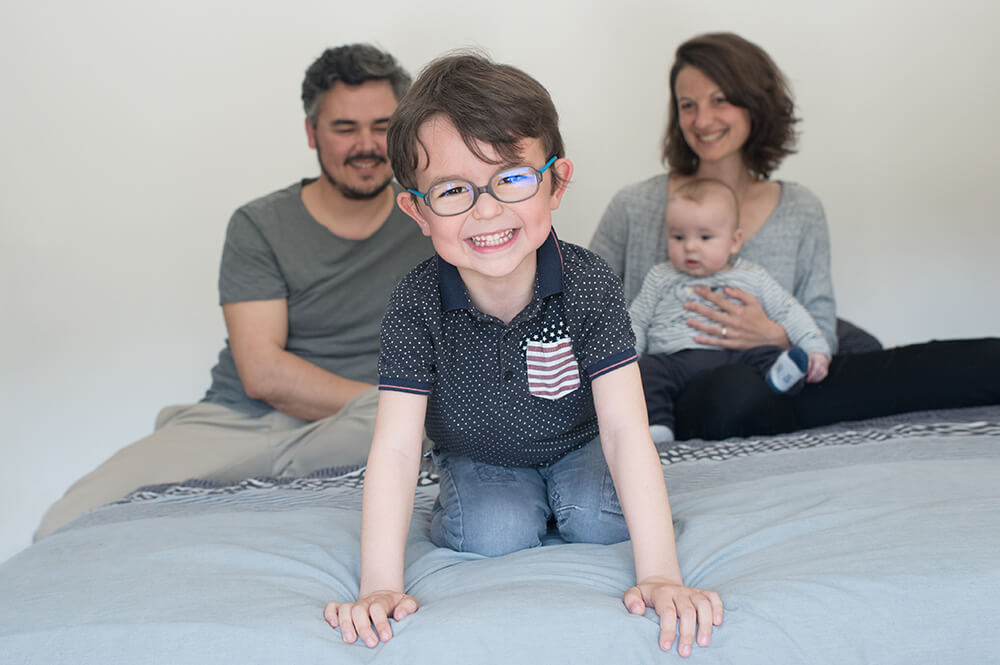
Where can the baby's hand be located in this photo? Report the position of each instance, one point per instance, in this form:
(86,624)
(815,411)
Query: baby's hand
(356,619)
(673,602)
(819,364)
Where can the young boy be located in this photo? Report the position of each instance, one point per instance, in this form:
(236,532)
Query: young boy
(703,238)
(512,347)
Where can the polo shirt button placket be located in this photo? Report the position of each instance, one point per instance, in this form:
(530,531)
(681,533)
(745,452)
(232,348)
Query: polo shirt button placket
(505,388)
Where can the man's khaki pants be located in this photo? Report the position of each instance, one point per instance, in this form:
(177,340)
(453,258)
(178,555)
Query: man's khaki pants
(214,442)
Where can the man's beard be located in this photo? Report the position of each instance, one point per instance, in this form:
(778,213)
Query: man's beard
(350,192)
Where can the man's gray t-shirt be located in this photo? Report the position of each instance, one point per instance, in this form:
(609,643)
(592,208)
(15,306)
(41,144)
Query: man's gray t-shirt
(336,288)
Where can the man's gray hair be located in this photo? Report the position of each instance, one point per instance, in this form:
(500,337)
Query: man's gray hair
(353,64)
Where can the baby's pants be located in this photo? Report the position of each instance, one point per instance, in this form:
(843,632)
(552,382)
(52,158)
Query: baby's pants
(665,375)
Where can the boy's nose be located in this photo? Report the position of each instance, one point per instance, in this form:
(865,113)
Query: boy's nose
(486,207)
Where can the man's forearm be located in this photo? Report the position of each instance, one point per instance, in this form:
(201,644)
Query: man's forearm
(299,388)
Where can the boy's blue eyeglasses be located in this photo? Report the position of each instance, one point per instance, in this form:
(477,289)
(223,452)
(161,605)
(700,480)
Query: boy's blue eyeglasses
(453,197)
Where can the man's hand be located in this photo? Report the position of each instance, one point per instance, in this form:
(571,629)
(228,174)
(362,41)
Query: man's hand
(673,603)
(356,619)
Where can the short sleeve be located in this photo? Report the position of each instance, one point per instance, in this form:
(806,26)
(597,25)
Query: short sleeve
(249,269)
(407,359)
(605,340)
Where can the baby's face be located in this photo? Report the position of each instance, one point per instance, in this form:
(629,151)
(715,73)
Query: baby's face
(701,237)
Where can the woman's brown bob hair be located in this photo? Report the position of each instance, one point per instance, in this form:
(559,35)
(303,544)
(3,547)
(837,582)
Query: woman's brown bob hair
(749,79)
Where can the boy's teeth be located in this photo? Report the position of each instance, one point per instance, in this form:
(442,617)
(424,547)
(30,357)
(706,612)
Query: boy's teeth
(490,239)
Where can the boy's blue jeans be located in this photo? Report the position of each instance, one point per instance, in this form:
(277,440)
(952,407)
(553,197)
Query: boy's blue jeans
(494,510)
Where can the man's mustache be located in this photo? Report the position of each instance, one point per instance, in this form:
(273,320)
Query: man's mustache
(367,156)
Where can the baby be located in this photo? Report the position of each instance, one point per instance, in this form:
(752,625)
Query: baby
(703,238)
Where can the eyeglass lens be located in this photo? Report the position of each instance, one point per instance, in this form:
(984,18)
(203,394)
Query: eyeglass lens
(457,196)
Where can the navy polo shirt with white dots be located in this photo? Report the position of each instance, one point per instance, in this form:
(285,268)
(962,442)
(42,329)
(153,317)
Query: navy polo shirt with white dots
(517,394)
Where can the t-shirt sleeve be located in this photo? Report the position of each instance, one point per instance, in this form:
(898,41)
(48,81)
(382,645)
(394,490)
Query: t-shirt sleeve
(249,269)
(406,360)
(605,339)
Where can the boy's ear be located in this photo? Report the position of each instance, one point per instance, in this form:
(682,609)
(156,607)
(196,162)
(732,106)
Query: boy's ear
(564,167)
(407,202)
(311,133)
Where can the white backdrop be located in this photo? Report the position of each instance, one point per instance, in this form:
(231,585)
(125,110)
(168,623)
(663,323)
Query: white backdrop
(131,130)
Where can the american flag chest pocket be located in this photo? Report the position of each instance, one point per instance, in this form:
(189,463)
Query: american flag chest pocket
(552,368)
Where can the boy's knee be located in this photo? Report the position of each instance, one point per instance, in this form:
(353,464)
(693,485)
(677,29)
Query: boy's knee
(502,533)
(593,516)
(601,526)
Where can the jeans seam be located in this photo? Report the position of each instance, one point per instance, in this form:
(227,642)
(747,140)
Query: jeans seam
(458,541)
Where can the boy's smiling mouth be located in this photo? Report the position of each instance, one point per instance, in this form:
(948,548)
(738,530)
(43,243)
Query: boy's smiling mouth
(493,239)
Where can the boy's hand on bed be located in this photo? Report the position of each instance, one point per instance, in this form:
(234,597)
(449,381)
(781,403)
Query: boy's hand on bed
(674,602)
(356,619)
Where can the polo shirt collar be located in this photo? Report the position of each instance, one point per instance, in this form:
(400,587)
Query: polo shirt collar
(548,276)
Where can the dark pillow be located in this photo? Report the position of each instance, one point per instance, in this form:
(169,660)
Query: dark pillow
(852,339)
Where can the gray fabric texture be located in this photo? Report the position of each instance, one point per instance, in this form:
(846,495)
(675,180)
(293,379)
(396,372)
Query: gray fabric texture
(659,319)
(336,288)
(826,553)
(793,245)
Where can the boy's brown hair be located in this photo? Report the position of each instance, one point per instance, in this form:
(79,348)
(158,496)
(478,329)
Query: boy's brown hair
(496,104)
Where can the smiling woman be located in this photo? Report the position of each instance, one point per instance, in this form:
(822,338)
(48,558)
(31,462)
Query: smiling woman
(732,120)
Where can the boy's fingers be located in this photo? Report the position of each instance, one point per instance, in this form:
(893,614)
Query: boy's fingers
(330,614)
(706,618)
(717,608)
(346,622)
(363,624)
(381,621)
(668,625)
(407,606)
(688,619)
(634,602)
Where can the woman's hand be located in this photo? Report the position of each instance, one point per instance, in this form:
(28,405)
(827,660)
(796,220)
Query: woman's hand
(736,325)
(674,603)
(356,619)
